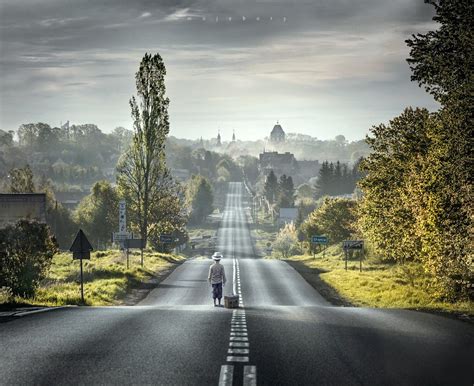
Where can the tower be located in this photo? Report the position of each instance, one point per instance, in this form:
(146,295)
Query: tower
(277,134)
(219,143)
(233,136)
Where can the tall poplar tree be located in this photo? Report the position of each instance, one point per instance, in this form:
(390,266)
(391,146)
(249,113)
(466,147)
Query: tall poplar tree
(143,165)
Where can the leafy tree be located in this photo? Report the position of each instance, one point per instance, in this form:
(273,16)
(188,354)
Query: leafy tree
(142,166)
(286,241)
(169,215)
(335,218)
(418,199)
(58,217)
(249,167)
(305,191)
(442,60)
(271,188)
(223,174)
(305,207)
(97,213)
(199,197)
(21,180)
(387,216)
(6,138)
(26,251)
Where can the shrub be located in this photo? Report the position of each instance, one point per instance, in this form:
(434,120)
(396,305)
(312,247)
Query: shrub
(286,241)
(26,251)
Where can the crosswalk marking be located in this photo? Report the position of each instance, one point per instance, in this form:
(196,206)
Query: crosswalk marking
(250,375)
(238,344)
(238,351)
(237,359)
(226,376)
(239,339)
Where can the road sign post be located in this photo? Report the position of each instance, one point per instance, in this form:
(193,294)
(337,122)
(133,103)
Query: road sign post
(131,243)
(81,249)
(319,240)
(353,245)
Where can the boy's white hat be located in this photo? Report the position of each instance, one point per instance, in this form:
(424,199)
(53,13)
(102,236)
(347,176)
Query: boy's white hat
(217,256)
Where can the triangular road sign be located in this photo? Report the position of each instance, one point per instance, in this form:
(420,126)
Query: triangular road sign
(81,247)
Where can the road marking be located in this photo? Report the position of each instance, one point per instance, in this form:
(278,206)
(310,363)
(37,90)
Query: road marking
(226,376)
(238,334)
(238,344)
(239,339)
(237,359)
(238,351)
(234,284)
(250,375)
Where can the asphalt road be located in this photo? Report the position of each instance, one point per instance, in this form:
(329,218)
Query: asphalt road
(285,333)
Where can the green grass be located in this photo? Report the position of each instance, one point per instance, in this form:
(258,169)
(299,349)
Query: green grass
(379,285)
(106,277)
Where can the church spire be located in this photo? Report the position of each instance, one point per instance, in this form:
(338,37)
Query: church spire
(219,138)
(233,136)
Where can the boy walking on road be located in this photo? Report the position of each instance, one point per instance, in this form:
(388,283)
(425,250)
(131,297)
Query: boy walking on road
(217,278)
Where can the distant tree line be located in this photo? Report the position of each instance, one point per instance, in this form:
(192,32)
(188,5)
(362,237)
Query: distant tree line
(337,178)
(74,155)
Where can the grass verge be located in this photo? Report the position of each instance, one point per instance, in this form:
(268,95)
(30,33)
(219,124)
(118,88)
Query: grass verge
(378,285)
(106,278)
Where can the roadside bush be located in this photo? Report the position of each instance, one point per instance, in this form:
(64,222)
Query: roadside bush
(286,241)
(26,251)
(5,295)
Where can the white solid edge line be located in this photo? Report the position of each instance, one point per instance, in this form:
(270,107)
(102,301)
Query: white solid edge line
(25,313)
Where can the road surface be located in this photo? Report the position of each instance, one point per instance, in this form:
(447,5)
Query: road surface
(285,333)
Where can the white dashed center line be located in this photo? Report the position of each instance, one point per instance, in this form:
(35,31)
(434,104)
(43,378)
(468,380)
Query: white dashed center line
(239,347)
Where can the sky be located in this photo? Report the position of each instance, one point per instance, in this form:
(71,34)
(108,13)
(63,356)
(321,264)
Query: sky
(319,67)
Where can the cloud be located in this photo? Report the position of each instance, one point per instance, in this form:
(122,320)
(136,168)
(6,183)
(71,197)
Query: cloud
(76,54)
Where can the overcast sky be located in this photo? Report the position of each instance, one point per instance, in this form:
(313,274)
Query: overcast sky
(320,67)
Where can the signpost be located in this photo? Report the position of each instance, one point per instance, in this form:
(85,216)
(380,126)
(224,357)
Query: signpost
(320,240)
(131,243)
(348,245)
(120,237)
(122,217)
(166,239)
(81,249)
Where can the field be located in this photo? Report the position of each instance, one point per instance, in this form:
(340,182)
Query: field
(107,281)
(378,285)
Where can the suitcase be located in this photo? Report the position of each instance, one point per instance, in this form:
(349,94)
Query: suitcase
(231,301)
